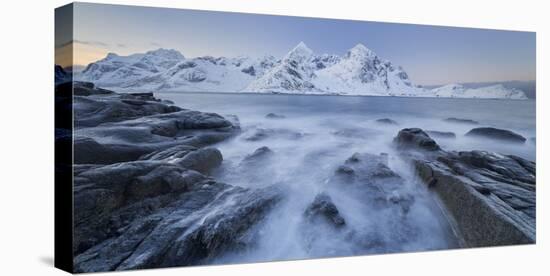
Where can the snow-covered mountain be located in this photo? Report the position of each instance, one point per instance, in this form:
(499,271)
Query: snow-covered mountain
(362,72)
(487,92)
(358,72)
(294,74)
(117,71)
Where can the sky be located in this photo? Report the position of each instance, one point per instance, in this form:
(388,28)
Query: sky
(431,55)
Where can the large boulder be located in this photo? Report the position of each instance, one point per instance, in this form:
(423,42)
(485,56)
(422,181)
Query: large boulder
(89,151)
(201,160)
(415,138)
(92,111)
(490,196)
(497,134)
(192,229)
(93,105)
(102,192)
(127,140)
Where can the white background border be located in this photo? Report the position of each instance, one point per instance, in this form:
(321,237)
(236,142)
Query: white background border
(27,164)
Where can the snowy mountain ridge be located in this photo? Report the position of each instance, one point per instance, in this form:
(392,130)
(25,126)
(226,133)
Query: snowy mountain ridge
(360,71)
(486,92)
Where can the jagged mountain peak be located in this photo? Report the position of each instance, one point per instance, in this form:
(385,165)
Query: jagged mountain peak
(300,53)
(111,55)
(359,51)
(166,53)
(302,45)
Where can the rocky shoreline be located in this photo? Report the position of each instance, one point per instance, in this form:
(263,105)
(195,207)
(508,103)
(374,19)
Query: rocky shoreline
(145,197)
(150,202)
(490,196)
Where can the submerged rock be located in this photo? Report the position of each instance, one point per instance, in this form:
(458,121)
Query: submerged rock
(461,121)
(275,116)
(356,133)
(415,138)
(441,134)
(323,207)
(260,154)
(498,134)
(386,121)
(260,134)
(491,197)
(370,177)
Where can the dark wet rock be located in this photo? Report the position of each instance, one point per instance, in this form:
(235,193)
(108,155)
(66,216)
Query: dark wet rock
(461,121)
(89,89)
(490,196)
(415,138)
(346,171)
(260,134)
(206,139)
(275,116)
(89,112)
(370,166)
(441,134)
(164,130)
(323,207)
(497,134)
(89,151)
(169,154)
(386,121)
(201,160)
(102,191)
(155,202)
(193,228)
(151,212)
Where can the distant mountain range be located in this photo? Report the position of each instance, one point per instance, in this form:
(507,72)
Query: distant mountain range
(528,87)
(358,72)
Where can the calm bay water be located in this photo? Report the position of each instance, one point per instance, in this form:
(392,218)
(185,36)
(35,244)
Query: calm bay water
(342,111)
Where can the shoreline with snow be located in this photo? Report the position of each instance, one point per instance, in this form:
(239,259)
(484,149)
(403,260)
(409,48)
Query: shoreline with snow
(123,90)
